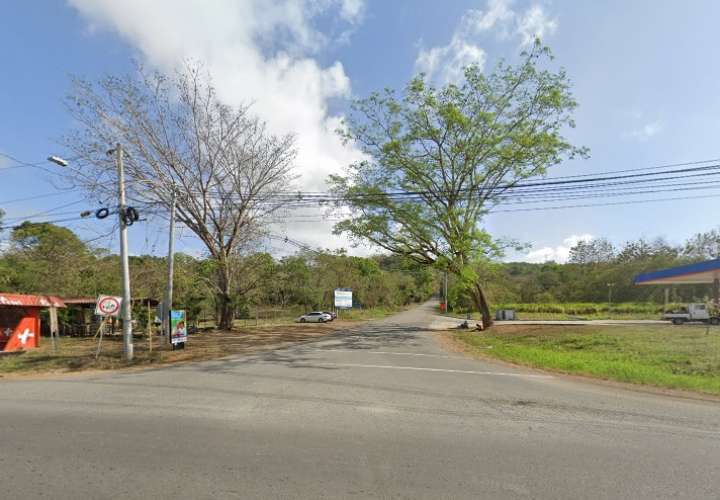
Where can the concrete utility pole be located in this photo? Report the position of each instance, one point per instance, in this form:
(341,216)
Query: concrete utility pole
(167,303)
(126,309)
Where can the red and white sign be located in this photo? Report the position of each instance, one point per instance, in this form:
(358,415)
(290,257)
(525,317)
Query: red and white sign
(107,305)
(24,335)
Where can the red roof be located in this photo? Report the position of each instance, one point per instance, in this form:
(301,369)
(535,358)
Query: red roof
(13,299)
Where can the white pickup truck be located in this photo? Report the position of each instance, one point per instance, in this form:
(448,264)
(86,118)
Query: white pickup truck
(692,312)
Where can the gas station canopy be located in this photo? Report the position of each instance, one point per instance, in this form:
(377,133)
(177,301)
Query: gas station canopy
(691,274)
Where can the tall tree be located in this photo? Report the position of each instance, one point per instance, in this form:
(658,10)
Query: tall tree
(594,251)
(437,160)
(703,246)
(45,258)
(220,160)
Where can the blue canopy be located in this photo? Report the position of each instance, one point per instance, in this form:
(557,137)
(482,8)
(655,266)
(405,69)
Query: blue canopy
(690,274)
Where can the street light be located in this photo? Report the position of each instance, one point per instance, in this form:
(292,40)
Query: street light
(126,313)
(58,161)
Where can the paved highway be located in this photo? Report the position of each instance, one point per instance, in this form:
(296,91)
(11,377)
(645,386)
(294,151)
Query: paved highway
(378,412)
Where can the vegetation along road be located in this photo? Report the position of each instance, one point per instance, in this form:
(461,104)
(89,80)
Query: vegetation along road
(376,411)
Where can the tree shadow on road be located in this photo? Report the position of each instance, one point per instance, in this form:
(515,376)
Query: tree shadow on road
(367,337)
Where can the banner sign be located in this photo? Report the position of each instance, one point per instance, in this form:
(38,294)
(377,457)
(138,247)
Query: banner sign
(107,305)
(178,327)
(343,298)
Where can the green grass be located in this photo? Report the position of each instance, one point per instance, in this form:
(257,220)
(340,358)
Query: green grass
(581,310)
(664,356)
(367,314)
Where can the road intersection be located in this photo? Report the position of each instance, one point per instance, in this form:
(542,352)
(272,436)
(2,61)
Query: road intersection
(379,411)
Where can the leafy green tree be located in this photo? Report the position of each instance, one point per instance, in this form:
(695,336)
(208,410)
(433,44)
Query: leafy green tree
(438,159)
(46,258)
(594,251)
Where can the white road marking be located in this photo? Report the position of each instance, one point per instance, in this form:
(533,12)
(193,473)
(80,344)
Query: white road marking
(441,370)
(363,351)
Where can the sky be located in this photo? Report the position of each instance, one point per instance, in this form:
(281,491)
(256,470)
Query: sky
(643,72)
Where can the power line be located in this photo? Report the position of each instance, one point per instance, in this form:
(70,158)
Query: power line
(37,197)
(56,221)
(669,165)
(48,211)
(298,199)
(629,202)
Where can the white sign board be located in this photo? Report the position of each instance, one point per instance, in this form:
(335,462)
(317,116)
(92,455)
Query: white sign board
(343,299)
(107,305)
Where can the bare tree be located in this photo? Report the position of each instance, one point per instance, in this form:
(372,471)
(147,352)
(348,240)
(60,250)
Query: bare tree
(221,162)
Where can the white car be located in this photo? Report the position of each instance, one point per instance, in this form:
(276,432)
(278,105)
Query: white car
(315,317)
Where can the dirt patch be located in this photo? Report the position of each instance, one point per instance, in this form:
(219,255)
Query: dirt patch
(76,355)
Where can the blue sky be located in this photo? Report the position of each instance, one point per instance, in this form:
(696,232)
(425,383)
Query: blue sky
(644,73)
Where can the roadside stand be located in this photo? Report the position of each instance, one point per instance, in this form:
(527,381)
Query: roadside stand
(20,320)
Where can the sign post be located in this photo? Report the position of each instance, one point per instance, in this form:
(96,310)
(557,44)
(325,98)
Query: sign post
(343,298)
(178,329)
(107,305)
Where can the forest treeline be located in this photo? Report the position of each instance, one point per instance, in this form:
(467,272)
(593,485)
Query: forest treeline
(47,259)
(44,258)
(591,266)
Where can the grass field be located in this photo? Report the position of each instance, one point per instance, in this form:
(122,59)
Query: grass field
(581,310)
(672,357)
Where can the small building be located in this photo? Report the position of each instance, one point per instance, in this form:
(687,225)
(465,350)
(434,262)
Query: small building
(20,319)
(81,320)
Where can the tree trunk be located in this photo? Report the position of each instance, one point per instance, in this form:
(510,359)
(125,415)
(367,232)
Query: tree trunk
(225,310)
(481,305)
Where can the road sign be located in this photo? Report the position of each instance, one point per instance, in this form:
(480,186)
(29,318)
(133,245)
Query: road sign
(178,328)
(107,305)
(343,298)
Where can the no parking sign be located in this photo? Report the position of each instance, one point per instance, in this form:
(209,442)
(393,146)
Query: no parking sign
(107,305)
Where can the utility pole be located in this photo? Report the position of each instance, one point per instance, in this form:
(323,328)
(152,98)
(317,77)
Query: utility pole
(167,305)
(126,309)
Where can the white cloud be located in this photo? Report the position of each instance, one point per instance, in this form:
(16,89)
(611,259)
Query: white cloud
(258,52)
(560,253)
(352,10)
(535,24)
(647,131)
(445,63)
(498,12)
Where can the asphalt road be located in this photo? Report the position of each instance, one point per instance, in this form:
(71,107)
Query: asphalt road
(378,412)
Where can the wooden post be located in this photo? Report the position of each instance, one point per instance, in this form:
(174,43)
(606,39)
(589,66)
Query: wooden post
(716,291)
(149,327)
(667,298)
(53,327)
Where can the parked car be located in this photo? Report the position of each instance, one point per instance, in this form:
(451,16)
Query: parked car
(333,315)
(314,317)
(692,312)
